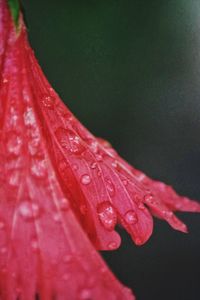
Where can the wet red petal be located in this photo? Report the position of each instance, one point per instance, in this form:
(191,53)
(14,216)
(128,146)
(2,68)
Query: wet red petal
(43,249)
(96,178)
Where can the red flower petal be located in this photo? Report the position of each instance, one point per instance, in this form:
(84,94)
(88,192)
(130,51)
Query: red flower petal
(102,188)
(43,249)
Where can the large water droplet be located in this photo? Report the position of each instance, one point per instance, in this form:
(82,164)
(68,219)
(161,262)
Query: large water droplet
(29,211)
(107,215)
(14,143)
(131,217)
(85,179)
(48,101)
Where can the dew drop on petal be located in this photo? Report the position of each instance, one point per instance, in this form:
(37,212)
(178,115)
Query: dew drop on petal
(2,225)
(64,204)
(66,276)
(57,217)
(93,165)
(14,178)
(75,167)
(34,245)
(14,144)
(48,101)
(29,211)
(131,217)
(99,157)
(110,187)
(85,179)
(138,241)
(38,168)
(29,117)
(67,258)
(112,245)
(125,182)
(3,250)
(149,199)
(85,294)
(107,215)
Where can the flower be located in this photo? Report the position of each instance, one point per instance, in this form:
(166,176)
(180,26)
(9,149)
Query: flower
(61,188)
(43,250)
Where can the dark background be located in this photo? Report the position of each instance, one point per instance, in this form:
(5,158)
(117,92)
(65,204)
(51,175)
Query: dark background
(130,71)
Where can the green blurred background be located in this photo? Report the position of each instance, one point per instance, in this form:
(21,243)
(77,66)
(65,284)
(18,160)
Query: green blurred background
(130,71)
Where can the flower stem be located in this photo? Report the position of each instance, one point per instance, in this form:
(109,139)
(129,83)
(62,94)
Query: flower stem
(15,10)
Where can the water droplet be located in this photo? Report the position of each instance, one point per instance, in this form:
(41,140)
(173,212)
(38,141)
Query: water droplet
(107,215)
(125,182)
(141,206)
(99,173)
(69,140)
(115,164)
(29,211)
(48,101)
(38,168)
(75,167)
(14,178)
(57,217)
(4,270)
(93,165)
(167,214)
(99,157)
(3,250)
(33,146)
(85,179)
(67,258)
(85,294)
(2,225)
(34,245)
(112,245)
(14,143)
(110,187)
(18,289)
(64,204)
(5,80)
(138,241)
(29,117)
(66,276)
(149,198)
(131,217)
(94,146)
